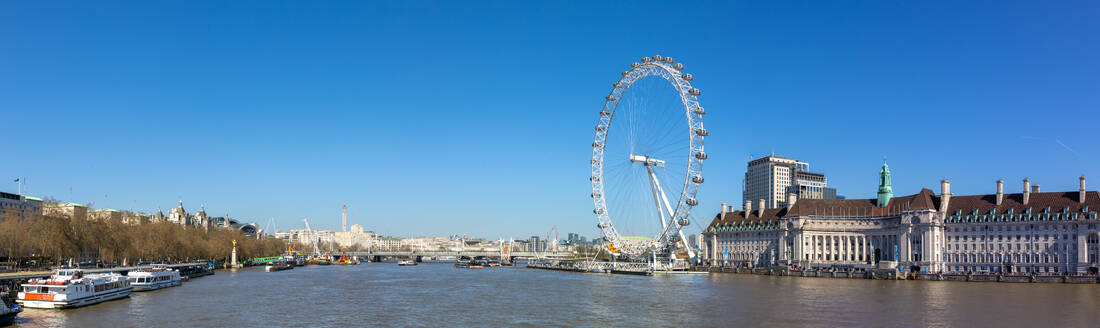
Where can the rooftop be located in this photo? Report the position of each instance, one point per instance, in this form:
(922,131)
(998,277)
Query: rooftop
(923,200)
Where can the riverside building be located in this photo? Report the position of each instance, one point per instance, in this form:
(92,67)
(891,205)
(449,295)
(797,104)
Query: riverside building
(19,206)
(771,178)
(1026,232)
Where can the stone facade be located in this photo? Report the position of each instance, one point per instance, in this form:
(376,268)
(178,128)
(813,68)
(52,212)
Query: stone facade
(71,210)
(179,215)
(105,215)
(1028,232)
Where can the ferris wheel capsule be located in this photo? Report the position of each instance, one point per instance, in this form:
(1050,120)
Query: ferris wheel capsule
(668,60)
(697,179)
(601,225)
(610,98)
(605,112)
(596,144)
(687,77)
(645,59)
(691,202)
(595,195)
(678,66)
(684,222)
(625,73)
(658,57)
(695,92)
(594,179)
(701,155)
(700,110)
(701,132)
(597,211)
(635,65)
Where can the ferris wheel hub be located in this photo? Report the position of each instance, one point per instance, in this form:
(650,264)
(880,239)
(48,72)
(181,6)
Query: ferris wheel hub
(649,161)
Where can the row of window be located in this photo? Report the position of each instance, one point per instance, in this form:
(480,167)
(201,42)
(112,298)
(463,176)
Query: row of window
(1025,227)
(990,268)
(1002,237)
(1017,258)
(1008,247)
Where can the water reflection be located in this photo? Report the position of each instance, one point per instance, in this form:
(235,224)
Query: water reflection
(440,295)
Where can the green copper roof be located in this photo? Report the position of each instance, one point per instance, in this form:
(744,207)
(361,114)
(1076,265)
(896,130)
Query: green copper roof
(885,191)
(69,204)
(33,198)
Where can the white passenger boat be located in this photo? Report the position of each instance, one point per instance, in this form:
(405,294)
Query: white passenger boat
(406,262)
(154,278)
(68,288)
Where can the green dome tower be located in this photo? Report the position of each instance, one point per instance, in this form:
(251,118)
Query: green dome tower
(885,192)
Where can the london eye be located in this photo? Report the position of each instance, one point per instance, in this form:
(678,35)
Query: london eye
(647,166)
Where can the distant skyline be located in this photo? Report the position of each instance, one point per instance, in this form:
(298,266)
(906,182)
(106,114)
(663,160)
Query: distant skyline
(439,118)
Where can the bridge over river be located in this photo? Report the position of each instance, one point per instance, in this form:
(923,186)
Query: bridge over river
(471,253)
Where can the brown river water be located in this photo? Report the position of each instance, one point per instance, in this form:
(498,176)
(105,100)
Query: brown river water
(439,295)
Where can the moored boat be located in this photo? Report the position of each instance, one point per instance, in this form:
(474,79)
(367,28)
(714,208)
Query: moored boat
(154,278)
(319,261)
(406,262)
(195,271)
(278,266)
(68,288)
(8,312)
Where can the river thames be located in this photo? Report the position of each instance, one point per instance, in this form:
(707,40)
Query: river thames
(439,295)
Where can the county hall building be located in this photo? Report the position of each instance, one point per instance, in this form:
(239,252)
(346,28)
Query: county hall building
(1026,232)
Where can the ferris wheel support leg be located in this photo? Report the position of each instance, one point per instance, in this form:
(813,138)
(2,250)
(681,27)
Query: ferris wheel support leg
(655,188)
(683,241)
(661,192)
(667,207)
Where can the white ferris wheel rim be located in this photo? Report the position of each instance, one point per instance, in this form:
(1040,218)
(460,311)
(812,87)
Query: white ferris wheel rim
(666,68)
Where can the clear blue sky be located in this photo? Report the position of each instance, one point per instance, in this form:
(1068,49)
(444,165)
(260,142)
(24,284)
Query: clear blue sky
(476,117)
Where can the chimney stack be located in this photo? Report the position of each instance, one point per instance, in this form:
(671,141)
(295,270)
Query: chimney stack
(1000,191)
(1081,191)
(1027,190)
(724,207)
(1035,188)
(945,195)
(760,211)
(748,207)
(791,199)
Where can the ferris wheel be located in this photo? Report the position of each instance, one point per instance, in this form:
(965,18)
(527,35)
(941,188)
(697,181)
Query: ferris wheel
(653,151)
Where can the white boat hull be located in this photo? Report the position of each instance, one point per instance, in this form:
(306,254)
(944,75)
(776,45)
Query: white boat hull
(107,296)
(163,284)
